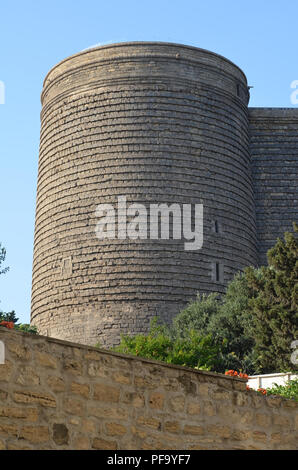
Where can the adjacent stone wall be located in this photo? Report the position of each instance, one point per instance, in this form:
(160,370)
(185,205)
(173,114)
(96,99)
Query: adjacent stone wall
(59,395)
(157,123)
(274,151)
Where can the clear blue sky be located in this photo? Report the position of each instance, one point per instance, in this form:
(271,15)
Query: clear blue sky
(259,36)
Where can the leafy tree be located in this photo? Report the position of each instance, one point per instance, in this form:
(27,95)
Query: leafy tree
(274,305)
(11,316)
(4,316)
(255,322)
(2,258)
(228,322)
(222,323)
(193,351)
(196,315)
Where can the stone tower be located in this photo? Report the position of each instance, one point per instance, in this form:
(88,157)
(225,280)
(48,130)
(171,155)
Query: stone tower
(156,123)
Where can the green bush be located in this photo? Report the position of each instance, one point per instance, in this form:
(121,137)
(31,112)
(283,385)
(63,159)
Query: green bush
(290,390)
(11,317)
(197,315)
(194,350)
(8,316)
(26,327)
(274,305)
(228,322)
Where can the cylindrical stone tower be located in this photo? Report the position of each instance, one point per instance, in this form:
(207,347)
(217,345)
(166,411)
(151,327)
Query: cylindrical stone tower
(156,123)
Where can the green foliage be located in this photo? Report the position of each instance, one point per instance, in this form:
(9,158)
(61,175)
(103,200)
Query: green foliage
(290,390)
(26,327)
(234,326)
(8,316)
(196,315)
(274,305)
(223,323)
(11,317)
(2,258)
(227,321)
(193,351)
(255,322)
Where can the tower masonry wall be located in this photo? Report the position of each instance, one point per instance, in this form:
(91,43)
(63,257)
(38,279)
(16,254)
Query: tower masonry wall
(156,123)
(274,153)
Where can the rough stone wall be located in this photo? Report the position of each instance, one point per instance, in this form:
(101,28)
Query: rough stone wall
(158,123)
(59,395)
(274,151)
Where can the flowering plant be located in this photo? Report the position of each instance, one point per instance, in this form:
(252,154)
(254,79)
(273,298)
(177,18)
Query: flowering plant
(234,373)
(7,324)
(11,325)
(263,391)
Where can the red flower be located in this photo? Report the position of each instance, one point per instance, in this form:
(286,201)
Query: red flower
(243,376)
(234,373)
(7,324)
(263,391)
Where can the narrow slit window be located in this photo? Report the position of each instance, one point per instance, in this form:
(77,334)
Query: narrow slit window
(217,272)
(216,226)
(238,89)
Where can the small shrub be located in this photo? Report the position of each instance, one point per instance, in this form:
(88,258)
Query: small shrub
(194,351)
(27,328)
(9,320)
(289,390)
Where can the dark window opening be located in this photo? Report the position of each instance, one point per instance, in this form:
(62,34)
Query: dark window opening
(216,226)
(217,271)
